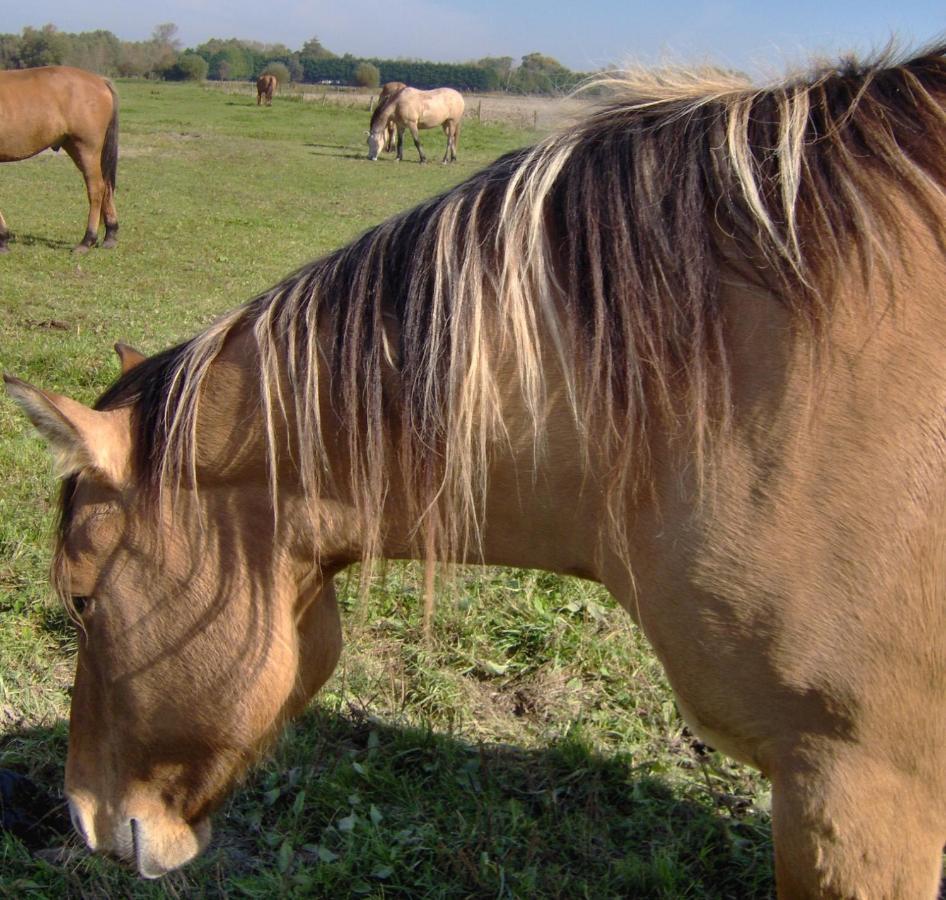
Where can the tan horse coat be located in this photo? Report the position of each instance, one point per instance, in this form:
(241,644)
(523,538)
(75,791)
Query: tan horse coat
(691,348)
(58,106)
(388,90)
(415,110)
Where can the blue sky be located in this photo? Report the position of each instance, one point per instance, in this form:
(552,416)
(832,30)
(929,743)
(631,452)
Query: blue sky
(755,35)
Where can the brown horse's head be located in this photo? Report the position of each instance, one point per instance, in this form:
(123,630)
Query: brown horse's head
(201,628)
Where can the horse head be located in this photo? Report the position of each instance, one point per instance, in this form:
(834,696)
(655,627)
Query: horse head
(376,141)
(200,631)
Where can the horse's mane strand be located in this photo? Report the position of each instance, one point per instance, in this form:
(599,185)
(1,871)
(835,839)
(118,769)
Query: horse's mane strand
(596,253)
(380,114)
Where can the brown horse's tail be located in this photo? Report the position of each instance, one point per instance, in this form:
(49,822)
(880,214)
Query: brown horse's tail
(110,148)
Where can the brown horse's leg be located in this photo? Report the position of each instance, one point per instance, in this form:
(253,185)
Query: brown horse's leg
(4,235)
(88,162)
(110,215)
(854,826)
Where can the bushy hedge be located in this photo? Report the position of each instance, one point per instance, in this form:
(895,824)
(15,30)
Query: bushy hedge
(236,59)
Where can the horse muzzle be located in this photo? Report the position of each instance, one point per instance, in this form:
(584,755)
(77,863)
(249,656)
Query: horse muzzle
(147,835)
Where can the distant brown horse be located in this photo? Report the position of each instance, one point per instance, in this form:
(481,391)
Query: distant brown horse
(265,88)
(388,90)
(692,347)
(58,106)
(413,109)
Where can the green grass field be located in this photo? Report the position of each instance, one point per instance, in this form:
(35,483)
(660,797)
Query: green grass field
(531,748)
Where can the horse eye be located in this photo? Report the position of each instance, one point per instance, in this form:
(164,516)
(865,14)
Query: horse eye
(81,604)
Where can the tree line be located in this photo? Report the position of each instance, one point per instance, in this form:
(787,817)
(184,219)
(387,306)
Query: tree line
(232,59)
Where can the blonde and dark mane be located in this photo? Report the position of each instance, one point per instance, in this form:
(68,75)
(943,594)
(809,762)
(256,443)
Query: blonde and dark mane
(600,251)
(382,111)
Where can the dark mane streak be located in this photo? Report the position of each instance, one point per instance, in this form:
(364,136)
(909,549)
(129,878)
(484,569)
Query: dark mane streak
(605,242)
(381,112)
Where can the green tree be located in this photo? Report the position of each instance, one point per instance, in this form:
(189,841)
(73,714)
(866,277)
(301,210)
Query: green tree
(540,74)
(280,70)
(313,49)
(230,64)
(46,46)
(189,67)
(94,51)
(367,75)
(499,71)
(9,51)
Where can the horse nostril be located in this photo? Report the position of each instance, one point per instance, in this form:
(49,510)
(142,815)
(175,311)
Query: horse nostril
(134,841)
(76,818)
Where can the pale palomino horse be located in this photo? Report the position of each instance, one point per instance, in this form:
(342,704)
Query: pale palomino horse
(693,348)
(265,88)
(62,107)
(414,109)
(388,90)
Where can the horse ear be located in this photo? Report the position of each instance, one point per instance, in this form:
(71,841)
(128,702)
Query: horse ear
(79,437)
(128,356)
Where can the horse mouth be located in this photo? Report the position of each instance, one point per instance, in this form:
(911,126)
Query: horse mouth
(156,855)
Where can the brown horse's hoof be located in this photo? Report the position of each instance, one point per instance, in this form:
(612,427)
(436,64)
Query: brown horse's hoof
(4,248)
(109,243)
(81,248)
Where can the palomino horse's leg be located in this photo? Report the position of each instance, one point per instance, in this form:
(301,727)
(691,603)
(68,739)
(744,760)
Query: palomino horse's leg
(88,161)
(416,136)
(447,130)
(853,825)
(4,235)
(451,129)
(400,143)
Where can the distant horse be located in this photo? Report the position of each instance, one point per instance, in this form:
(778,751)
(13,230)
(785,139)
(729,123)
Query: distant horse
(413,109)
(265,88)
(58,106)
(388,89)
(693,348)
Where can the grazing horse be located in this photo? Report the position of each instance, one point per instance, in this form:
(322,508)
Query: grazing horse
(413,109)
(265,88)
(389,89)
(58,106)
(692,347)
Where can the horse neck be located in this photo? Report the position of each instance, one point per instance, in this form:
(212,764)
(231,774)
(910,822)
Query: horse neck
(382,116)
(541,508)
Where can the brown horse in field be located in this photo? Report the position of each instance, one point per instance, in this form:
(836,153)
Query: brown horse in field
(388,90)
(693,348)
(413,109)
(265,88)
(58,106)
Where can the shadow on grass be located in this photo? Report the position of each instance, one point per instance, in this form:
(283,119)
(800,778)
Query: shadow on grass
(341,155)
(31,240)
(352,806)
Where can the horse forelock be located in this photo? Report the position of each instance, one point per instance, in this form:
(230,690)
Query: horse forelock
(596,252)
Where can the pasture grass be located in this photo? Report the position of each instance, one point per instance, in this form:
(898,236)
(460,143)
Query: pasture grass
(530,748)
